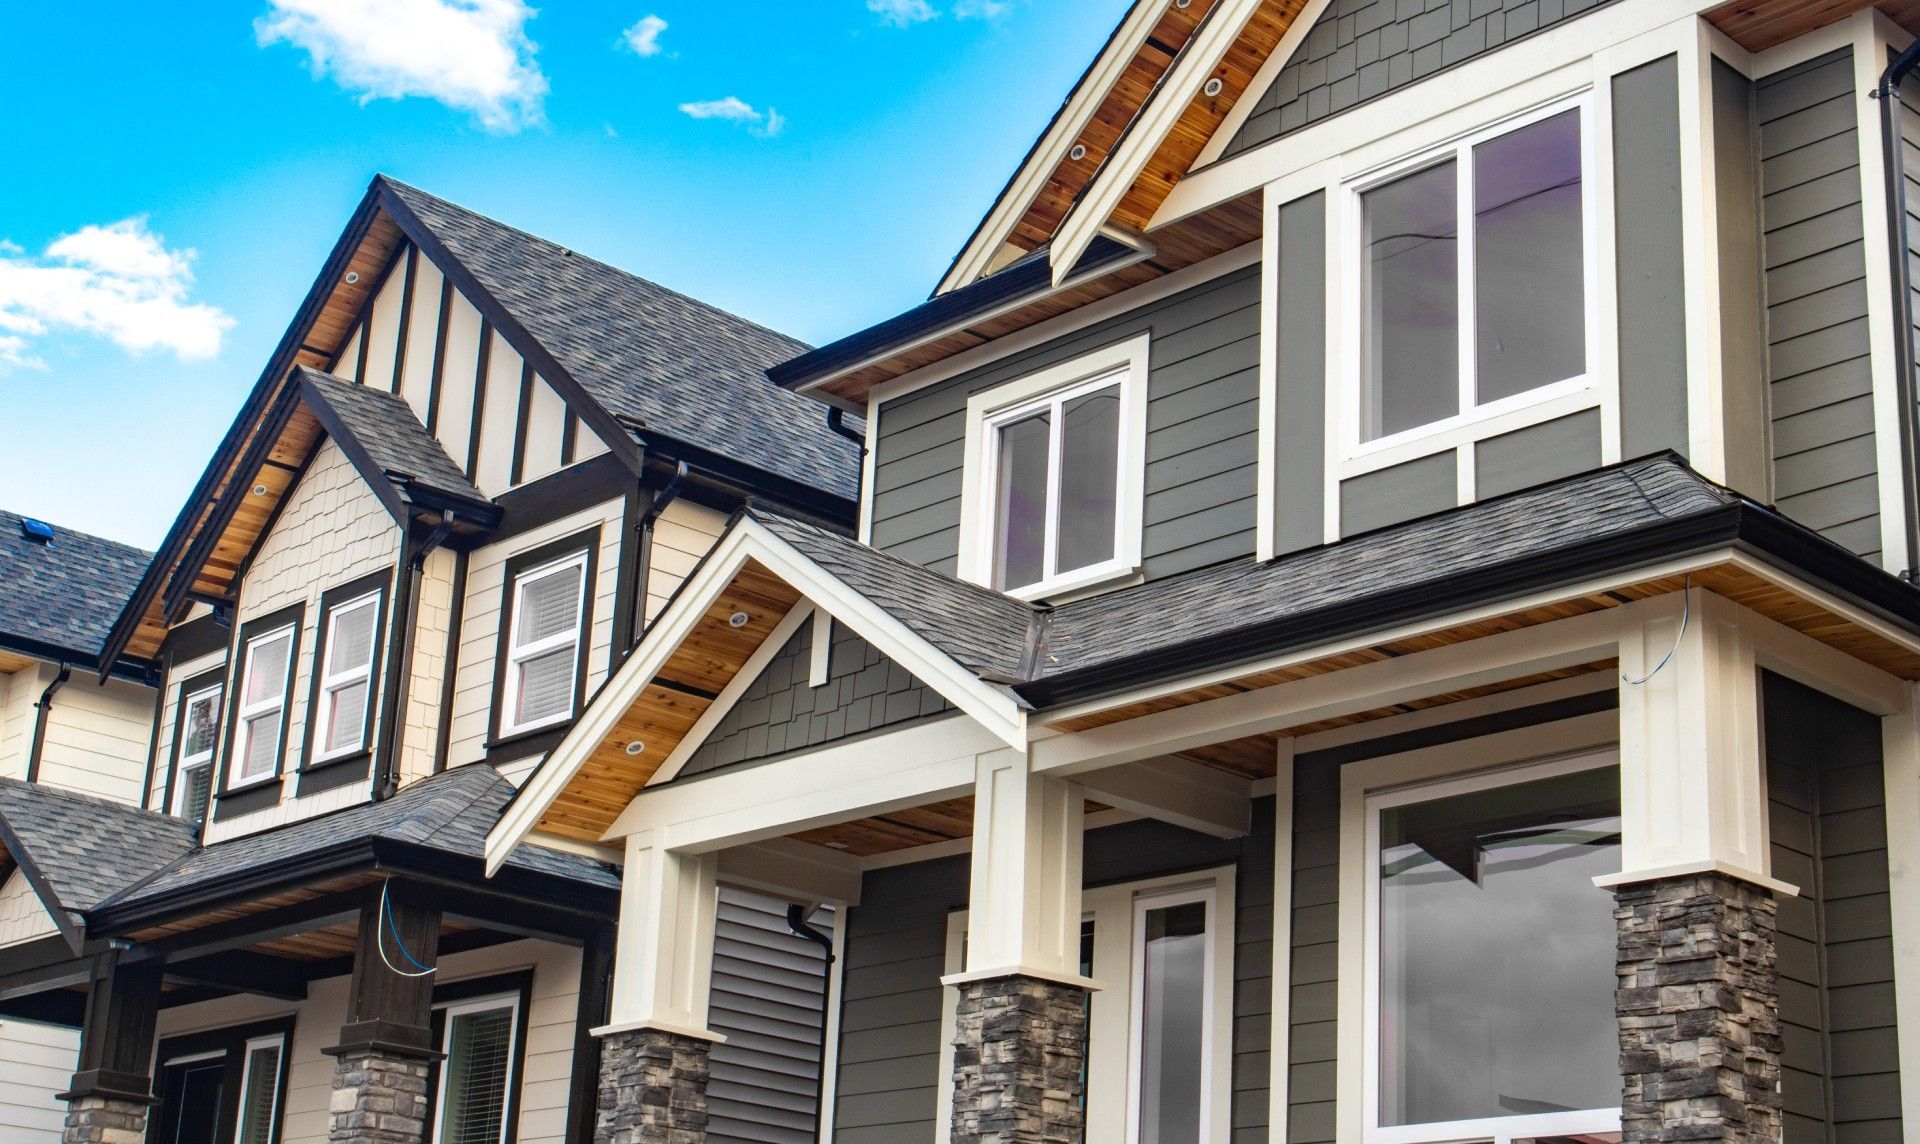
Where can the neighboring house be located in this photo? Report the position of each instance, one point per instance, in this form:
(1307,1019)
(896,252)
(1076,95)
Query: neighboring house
(61,726)
(475,467)
(1400,521)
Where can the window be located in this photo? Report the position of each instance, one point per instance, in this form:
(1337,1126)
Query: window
(260,1091)
(264,678)
(346,677)
(1491,957)
(1056,466)
(1475,277)
(1172,962)
(543,646)
(196,729)
(476,1074)
(224,1086)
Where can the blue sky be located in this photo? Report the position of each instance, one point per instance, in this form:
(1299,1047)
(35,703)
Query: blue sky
(184,169)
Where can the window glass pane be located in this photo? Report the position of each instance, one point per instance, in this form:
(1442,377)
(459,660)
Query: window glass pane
(479,1049)
(1020,503)
(1497,952)
(200,722)
(1412,302)
(267,668)
(198,782)
(346,716)
(1173,1008)
(1529,281)
(545,686)
(550,605)
(352,640)
(262,1092)
(262,736)
(1089,460)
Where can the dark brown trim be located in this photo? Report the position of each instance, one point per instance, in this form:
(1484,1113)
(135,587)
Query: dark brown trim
(293,615)
(376,584)
(519,983)
(195,638)
(116,1035)
(439,357)
(388,1011)
(153,744)
(500,752)
(188,686)
(569,437)
(406,320)
(591,1012)
(627,613)
(366,334)
(541,502)
(343,771)
(232,1042)
(393,697)
(589,540)
(521,417)
(479,397)
(450,670)
(247,800)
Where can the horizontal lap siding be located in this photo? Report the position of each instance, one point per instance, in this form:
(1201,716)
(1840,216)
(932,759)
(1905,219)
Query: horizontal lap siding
(1824,464)
(36,1065)
(1201,426)
(96,739)
(768,999)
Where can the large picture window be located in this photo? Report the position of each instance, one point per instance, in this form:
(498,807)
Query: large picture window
(265,675)
(543,644)
(1491,957)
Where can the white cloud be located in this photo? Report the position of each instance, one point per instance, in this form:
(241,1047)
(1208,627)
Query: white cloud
(473,55)
(643,39)
(980,9)
(118,281)
(736,110)
(901,13)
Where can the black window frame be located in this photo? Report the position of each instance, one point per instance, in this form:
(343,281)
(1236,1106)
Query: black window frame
(518,983)
(257,794)
(519,744)
(232,1041)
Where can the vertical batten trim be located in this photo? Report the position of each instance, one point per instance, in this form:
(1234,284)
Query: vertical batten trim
(405,323)
(439,358)
(1279,1055)
(479,396)
(450,669)
(569,437)
(519,468)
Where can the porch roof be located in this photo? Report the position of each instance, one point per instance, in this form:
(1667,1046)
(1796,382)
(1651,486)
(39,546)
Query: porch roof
(77,850)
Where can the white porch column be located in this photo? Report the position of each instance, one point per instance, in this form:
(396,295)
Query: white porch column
(1023,912)
(663,967)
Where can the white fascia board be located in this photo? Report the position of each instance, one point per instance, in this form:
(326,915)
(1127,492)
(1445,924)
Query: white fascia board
(1054,145)
(1164,108)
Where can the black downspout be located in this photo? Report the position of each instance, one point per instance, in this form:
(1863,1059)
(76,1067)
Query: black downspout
(1898,237)
(40,721)
(400,660)
(637,603)
(797,922)
(837,421)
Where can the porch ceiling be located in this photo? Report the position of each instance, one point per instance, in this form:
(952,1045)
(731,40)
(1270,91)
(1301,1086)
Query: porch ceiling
(1760,24)
(904,829)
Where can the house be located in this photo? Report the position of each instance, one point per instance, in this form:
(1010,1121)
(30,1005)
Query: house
(1382,612)
(473,471)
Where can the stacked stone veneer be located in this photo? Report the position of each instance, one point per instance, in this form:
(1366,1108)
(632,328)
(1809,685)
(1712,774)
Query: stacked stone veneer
(1698,1001)
(378,1098)
(653,1088)
(105,1120)
(1020,1045)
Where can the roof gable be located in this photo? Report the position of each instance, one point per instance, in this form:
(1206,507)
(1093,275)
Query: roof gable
(77,850)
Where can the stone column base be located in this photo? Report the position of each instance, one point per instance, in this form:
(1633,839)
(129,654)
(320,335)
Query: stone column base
(1019,1047)
(379,1097)
(653,1088)
(1699,1010)
(105,1120)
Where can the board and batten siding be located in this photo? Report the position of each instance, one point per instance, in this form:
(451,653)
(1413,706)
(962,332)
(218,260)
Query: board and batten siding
(1820,378)
(1202,414)
(36,1066)
(889,1062)
(769,995)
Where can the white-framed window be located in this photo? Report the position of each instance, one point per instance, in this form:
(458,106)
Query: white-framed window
(346,677)
(1160,1030)
(195,736)
(543,644)
(260,1068)
(1055,473)
(1489,967)
(477,1071)
(265,674)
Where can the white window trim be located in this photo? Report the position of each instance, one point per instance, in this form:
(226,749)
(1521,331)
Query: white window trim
(1368,787)
(184,762)
(1112,1085)
(276,705)
(331,681)
(516,655)
(451,1009)
(1123,362)
(273,1040)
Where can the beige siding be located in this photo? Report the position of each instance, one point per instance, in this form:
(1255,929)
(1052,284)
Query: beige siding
(681,537)
(586,443)
(482,616)
(546,425)
(493,474)
(456,378)
(22,688)
(22,915)
(332,530)
(383,335)
(36,1065)
(349,364)
(416,377)
(97,736)
(432,611)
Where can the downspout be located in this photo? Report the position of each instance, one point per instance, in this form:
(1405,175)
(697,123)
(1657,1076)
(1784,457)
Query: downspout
(400,660)
(797,922)
(837,422)
(40,720)
(1898,238)
(637,603)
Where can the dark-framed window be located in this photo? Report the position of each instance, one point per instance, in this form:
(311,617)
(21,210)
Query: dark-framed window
(196,739)
(480,1029)
(546,626)
(232,1081)
(260,699)
(345,682)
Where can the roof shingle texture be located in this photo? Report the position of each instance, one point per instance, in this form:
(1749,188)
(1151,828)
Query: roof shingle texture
(65,594)
(677,366)
(385,426)
(87,849)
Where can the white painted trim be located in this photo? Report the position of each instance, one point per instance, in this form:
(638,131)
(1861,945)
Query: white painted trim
(830,1053)
(1266,450)
(1187,794)
(277,1042)
(1280,1017)
(786,868)
(869,461)
(512,661)
(1097,202)
(1216,1023)
(663,963)
(1123,365)
(729,696)
(1900,739)
(1270,69)
(274,709)
(1539,693)
(955,846)
(332,681)
(820,650)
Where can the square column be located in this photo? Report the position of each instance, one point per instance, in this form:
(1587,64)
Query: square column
(111,1093)
(386,1045)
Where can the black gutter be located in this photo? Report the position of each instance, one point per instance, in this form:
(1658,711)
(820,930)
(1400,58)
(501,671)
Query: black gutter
(40,721)
(743,482)
(1899,239)
(797,923)
(132,668)
(837,423)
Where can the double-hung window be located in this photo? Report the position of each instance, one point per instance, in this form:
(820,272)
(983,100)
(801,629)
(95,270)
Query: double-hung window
(346,677)
(265,674)
(1475,278)
(543,644)
(1055,466)
(475,1094)
(196,731)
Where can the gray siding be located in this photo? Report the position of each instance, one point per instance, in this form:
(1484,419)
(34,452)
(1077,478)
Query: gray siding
(768,1000)
(1201,418)
(896,953)
(1649,263)
(1537,454)
(1361,49)
(1827,788)
(1820,380)
(1301,375)
(1403,492)
(781,711)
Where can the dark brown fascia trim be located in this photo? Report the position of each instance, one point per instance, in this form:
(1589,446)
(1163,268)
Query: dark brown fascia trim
(480,514)
(587,539)
(379,585)
(435,380)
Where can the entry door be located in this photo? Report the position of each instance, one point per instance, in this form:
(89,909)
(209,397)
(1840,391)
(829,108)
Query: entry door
(190,1092)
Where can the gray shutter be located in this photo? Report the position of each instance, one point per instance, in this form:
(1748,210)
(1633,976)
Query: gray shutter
(768,998)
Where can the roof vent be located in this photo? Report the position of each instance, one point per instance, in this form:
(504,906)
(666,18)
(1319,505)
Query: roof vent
(38,530)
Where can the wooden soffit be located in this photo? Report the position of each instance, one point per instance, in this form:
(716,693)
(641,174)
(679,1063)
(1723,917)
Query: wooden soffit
(1757,25)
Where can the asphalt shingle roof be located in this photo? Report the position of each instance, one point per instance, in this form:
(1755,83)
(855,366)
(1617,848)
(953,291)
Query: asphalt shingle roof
(673,364)
(86,849)
(385,426)
(66,594)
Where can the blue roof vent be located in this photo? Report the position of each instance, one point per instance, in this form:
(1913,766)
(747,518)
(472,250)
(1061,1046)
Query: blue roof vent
(38,530)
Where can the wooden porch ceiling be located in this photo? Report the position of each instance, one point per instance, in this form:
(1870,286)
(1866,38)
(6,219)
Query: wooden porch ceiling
(1757,25)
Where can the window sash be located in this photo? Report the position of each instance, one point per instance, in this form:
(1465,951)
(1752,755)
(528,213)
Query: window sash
(180,732)
(263,716)
(338,677)
(444,1112)
(1136,1038)
(520,655)
(1054,405)
(249,1127)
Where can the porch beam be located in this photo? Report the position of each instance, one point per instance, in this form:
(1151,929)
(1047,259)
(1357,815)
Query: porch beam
(783,867)
(243,971)
(663,965)
(1177,791)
